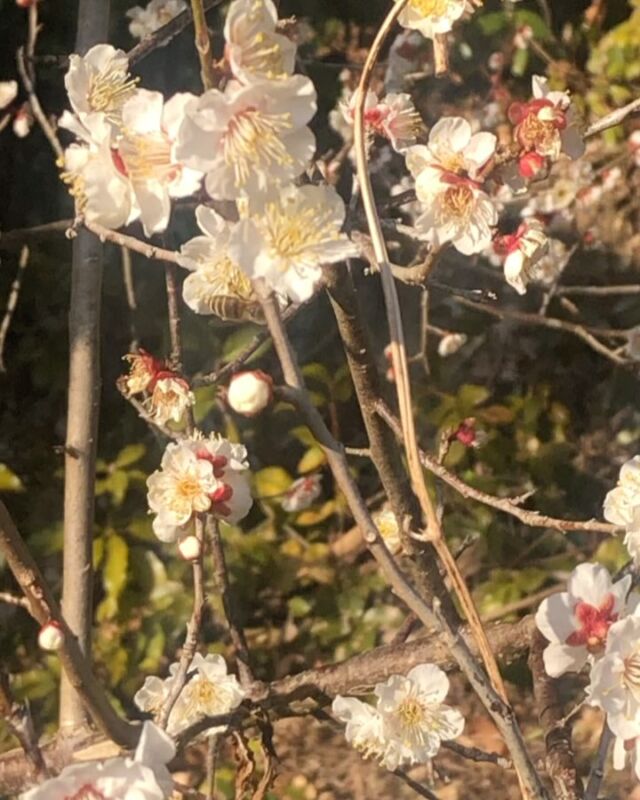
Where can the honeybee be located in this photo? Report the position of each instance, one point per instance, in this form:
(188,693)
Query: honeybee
(236,309)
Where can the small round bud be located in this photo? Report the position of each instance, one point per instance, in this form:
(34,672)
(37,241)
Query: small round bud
(250,393)
(532,165)
(190,548)
(450,344)
(51,636)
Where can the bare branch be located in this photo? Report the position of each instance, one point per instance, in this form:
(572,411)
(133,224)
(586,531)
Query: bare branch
(203,44)
(17,718)
(44,609)
(596,775)
(12,302)
(612,119)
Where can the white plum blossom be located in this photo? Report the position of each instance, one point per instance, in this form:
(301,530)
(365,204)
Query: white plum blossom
(615,678)
(210,690)
(577,622)
(387,524)
(522,251)
(302,493)
(250,392)
(181,488)
(415,720)
(147,20)
(8,93)
(250,139)
(94,174)
(446,173)
(363,725)
(213,272)
(622,506)
(432,17)
(143,777)
(147,152)
(394,117)
(453,147)
(288,241)
(197,475)
(253,47)
(170,399)
(100,82)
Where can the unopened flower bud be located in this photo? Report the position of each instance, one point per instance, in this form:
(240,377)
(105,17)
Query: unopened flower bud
(466,433)
(531,165)
(23,121)
(51,636)
(302,493)
(190,548)
(250,392)
(25,3)
(451,343)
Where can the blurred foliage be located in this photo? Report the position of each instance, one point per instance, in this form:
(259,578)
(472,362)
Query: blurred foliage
(557,420)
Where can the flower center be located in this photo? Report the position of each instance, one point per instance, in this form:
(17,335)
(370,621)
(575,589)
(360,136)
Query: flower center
(458,202)
(594,623)
(187,489)
(264,55)
(430,8)
(253,141)
(86,792)
(538,134)
(293,233)
(109,91)
(631,674)
(411,714)
(148,157)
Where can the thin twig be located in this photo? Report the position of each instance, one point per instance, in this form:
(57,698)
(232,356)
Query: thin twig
(596,774)
(433,532)
(477,755)
(612,119)
(122,240)
(532,518)
(12,302)
(418,788)
(17,718)
(203,44)
(12,600)
(500,712)
(44,609)
(130,294)
(221,577)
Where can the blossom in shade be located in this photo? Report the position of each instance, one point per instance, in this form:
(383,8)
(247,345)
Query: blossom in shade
(415,719)
(250,139)
(146,155)
(577,622)
(522,251)
(253,47)
(157,13)
(214,275)
(302,493)
(8,93)
(289,239)
(615,678)
(22,121)
(250,392)
(363,725)
(209,691)
(432,17)
(143,371)
(167,395)
(451,343)
(102,193)
(143,777)
(100,82)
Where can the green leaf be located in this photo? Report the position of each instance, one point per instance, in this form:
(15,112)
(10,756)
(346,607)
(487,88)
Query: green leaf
(311,460)
(9,481)
(271,481)
(130,454)
(114,574)
(520,62)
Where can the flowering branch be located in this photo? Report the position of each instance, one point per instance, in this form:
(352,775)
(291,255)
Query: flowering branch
(497,708)
(400,365)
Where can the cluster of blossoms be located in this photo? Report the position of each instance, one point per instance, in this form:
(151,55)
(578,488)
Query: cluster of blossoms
(596,623)
(198,475)
(210,690)
(145,776)
(408,722)
(167,396)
